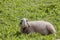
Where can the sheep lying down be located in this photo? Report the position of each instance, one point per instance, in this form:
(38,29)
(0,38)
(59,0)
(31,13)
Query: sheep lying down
(41,27)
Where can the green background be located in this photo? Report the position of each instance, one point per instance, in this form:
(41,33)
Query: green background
(11,11)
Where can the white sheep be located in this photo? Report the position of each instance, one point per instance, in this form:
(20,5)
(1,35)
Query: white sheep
(41,27)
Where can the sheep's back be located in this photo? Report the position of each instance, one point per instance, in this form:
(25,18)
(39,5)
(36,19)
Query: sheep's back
(39,26)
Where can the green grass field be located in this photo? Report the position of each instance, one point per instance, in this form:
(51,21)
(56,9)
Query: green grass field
(11,11)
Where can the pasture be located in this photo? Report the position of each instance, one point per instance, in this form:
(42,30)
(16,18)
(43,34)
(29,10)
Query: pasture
(11,11)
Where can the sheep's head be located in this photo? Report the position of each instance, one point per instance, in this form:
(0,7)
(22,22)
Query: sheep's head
(23,23)
(24,26)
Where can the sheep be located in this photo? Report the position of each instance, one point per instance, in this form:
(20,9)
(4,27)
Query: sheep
(42,27)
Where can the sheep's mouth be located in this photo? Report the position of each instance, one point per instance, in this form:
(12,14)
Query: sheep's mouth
(24,28)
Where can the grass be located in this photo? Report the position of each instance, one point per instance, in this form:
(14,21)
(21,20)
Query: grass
(11,11)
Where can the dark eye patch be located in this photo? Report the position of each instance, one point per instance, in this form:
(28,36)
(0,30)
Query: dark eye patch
(21,21)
